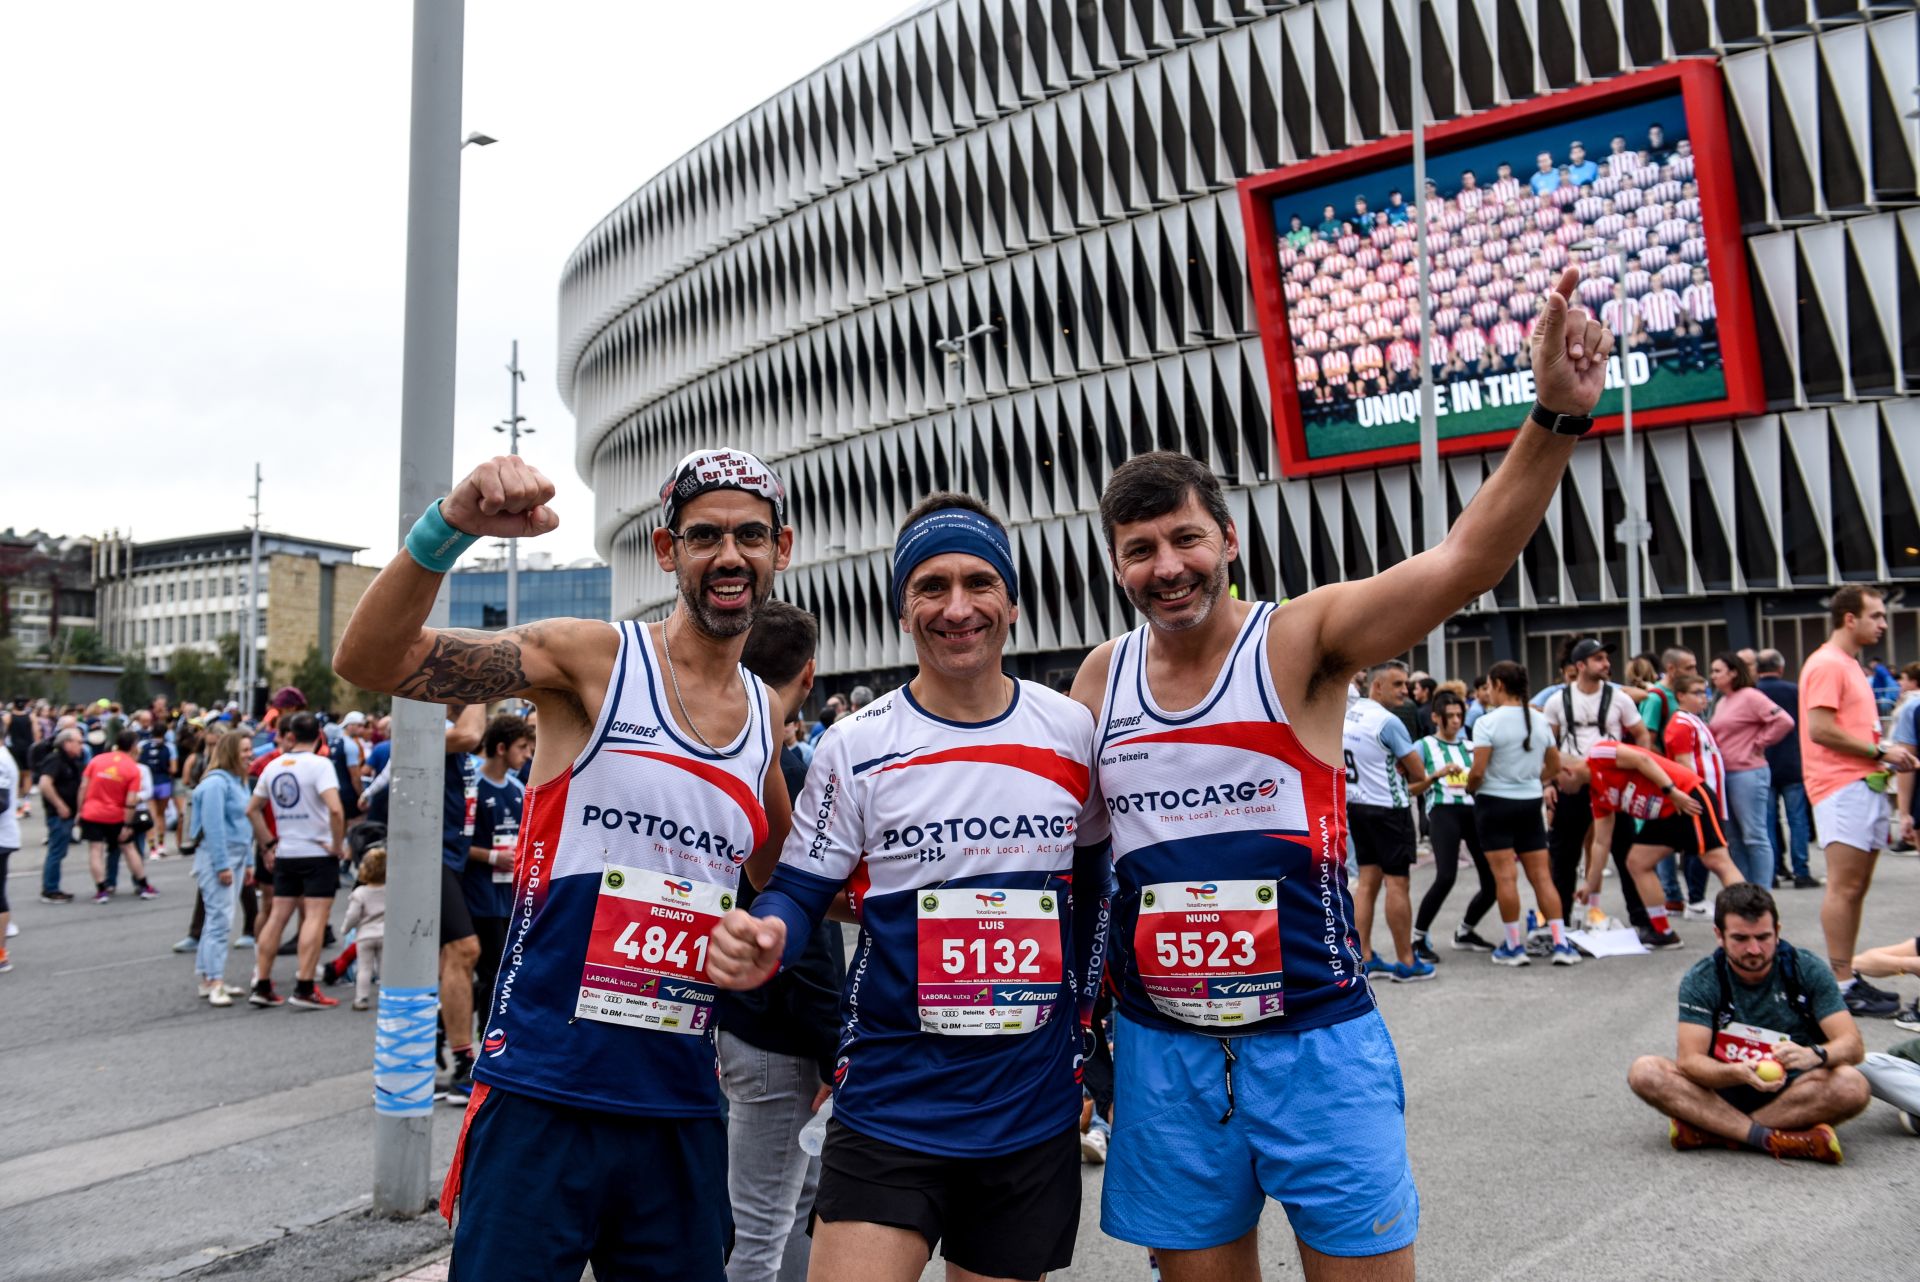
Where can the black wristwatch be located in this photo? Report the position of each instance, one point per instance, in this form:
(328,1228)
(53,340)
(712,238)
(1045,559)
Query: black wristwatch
(1561,424)
(1821,1051)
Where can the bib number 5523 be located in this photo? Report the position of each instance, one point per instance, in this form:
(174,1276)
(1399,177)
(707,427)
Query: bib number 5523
(1204,949)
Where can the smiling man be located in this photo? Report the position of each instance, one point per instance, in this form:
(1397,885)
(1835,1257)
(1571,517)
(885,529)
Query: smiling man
(595,1131)
(1250,1062)
(945,815)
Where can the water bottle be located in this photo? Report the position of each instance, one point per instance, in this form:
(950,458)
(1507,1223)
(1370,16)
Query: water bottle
(813,1136)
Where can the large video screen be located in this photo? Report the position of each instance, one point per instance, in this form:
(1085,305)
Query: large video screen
(1628,180)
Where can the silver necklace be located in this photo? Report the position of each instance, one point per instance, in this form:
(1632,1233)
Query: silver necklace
(666,646)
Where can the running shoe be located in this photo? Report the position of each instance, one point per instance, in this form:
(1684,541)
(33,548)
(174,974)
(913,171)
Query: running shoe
(1699,911)
(55,897)
(263,995)
(1816,1144)
(1685,1136)
(459,1088)
(1423,951)
(327,974)
(1908,1017)
(148,892)
(1659,938)
(1864,1000)
(1807,882)
(1676,906)
(219,995)
(315,1000)
(1093,1147)
(1410,973)
(103,896)
(13,928)
(6,962)
(1909,1123)
(1468,940)
(362,1003)
(1510,955)
(1566,955)
(187,945)
(1375,966)
(243,943)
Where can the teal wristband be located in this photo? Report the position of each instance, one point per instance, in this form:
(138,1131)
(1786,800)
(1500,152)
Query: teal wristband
(435,544)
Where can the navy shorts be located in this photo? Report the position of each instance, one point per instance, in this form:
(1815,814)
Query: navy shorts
(545,1189)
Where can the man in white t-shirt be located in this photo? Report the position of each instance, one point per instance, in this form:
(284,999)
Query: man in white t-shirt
(304,858)
(1587,709)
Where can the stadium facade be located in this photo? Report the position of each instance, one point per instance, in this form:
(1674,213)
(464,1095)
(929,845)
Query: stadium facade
(1067,174)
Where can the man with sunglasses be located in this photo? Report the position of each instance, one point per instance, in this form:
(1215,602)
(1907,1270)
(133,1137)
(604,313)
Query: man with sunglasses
(595,1132)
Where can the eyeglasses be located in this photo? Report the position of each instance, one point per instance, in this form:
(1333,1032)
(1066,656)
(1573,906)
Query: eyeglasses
(703,542)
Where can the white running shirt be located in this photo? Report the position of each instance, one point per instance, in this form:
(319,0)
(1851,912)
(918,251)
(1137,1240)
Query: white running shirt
(295,784)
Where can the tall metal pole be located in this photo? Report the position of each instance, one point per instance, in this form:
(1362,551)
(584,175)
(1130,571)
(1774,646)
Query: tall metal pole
(1631,531)
(515,377)
(1433,495)
(404,1128)
(250,659)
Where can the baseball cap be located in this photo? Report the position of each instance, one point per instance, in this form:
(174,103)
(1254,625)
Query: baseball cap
(288,697)
(704,471)
(1585,649)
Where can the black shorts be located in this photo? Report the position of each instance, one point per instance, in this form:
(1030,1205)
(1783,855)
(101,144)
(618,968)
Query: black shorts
(108,833)
(306,878)
(1746,1098)
(456,922)
(1012,1216)
(262,875)
(1686,835)
(1507,823)
(1382,837)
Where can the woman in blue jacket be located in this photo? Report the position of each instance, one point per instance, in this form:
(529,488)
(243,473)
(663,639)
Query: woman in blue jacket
(223,859)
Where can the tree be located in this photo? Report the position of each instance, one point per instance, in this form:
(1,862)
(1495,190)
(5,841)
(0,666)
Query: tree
(131,690)
(314,678)
(197,677)
(16,681)
(79,645)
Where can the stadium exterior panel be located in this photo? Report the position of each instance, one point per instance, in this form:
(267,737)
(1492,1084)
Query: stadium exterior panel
(1070,176)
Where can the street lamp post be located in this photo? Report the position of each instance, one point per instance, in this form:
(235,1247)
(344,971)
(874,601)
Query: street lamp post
(515,377)
(1433,498)
(1632,531)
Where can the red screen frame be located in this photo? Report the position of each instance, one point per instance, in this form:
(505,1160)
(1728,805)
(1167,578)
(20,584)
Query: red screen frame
(1700,86)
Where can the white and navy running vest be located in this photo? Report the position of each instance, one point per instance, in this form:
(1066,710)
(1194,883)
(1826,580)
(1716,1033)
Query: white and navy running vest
(955,842)
(1229,844)
(1373,772)
(624,866)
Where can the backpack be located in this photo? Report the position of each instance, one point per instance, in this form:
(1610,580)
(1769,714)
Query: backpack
(1566,712)
(1783,957)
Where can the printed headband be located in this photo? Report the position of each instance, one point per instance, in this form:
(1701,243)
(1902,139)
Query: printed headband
(952,529)
(704,471)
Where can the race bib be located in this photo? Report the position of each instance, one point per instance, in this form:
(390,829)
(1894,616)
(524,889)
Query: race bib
(503,843)
(989,960)
(1745,1043)
(1208,953)
(647,957)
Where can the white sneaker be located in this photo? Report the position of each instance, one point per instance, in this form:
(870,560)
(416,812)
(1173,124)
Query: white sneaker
(1093,1147)
(12,930)
(219,995)
(1700,911)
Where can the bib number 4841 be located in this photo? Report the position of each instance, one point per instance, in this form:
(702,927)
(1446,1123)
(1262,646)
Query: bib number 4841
(656,946)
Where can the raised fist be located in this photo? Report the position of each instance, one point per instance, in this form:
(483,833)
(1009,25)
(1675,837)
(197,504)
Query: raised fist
(503,498)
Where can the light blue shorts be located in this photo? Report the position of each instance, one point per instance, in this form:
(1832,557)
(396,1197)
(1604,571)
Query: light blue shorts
(1319,1125)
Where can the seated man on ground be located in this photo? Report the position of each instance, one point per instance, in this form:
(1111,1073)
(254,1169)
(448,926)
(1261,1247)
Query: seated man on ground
(1766,1046)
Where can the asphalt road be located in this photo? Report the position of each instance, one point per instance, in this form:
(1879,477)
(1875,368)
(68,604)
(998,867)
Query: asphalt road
(145,1135)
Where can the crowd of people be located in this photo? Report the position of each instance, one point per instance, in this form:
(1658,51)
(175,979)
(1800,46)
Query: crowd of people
(1631,220)
(1111,923)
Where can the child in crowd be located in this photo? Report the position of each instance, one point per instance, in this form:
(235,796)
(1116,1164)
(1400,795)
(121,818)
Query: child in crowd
(367,912)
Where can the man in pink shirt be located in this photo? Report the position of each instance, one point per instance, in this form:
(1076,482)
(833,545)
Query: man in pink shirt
(1845,763)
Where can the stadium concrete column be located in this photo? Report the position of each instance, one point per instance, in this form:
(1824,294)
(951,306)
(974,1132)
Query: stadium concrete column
(402,1147)
(1433,499)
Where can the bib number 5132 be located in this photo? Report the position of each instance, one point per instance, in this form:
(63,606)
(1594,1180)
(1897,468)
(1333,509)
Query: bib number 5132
(995,957)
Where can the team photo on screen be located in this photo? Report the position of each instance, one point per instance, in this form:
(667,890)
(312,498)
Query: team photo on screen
(1614,193)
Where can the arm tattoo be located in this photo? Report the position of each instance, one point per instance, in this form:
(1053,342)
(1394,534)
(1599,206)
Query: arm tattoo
(468,666)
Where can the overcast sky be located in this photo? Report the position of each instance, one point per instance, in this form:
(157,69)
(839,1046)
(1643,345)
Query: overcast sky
(205,234)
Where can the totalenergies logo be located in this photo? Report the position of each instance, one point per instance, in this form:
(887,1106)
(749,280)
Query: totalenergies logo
(1204,893)
(995,900)
(678,889)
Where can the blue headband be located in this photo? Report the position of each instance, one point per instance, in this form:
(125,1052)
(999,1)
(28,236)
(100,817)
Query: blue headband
(952,529)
